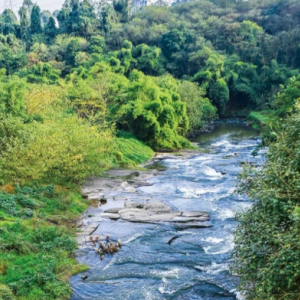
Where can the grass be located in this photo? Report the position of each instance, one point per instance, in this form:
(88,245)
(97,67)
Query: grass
(37,249)
(130,151)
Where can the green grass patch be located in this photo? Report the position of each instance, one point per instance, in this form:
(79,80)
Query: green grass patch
(129,151)
(37,242)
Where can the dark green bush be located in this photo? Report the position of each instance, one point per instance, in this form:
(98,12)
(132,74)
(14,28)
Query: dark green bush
(267,248)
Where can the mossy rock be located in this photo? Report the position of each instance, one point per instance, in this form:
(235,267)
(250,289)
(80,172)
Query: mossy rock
(156,166)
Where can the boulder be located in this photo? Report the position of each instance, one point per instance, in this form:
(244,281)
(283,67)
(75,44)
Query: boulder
(157,207)
(120,198)
(95,196)
(110,216)
(117,173)
(103,200)
(187,219)
(165,217)
(194,214)
(129,189)
(124,184)
(130,204)
(113,210)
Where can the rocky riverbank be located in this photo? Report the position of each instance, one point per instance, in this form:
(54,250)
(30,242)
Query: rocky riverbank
(115,196)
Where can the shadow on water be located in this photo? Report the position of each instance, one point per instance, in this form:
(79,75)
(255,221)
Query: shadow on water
(195,264)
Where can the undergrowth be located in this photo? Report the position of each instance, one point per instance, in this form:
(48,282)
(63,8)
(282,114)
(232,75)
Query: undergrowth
(37,226)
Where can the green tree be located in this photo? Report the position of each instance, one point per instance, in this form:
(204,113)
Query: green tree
(45,16)
(35,20)
(24,24)
(12,54)
(149,60)
(199,108)
(41,73)
(72,49)
(78,17)
(8,22)
(50,29)
(12,100)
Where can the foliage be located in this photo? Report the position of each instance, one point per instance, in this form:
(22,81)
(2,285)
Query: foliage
(36,257)
(199,109)
(266,254)
(41,73)
(289,94)
(12,96)
(153,112)
(149,108)
(75,151)
(129,151)
(35,20)
(50,29)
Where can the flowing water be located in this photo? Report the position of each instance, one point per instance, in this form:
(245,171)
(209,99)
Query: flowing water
(196,264)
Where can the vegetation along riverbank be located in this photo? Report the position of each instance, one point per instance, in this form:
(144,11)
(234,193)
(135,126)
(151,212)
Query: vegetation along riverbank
(95,86)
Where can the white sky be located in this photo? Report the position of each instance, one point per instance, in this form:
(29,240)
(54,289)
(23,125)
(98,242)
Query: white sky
(44,4)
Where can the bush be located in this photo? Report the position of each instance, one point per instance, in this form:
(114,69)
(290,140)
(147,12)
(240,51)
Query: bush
(199,109)
(153,112)
(36,256)
(6,293)
(267,249)
(61,150)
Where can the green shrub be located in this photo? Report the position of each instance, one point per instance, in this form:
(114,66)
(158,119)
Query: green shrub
(199,109)
(267,248)
(68,154)
(6,293)
(36,256)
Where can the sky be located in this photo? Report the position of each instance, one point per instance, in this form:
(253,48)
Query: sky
(44,4)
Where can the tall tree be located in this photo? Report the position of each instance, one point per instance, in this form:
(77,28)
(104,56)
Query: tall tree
(45,15)
(35,20)
(50,29)
(8,22)
(24,23)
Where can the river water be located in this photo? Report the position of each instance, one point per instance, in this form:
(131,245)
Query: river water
(196,264)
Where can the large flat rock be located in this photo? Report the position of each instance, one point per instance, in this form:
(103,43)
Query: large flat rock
(131,204)
(191,219)
(157,207)
(165,217)
(119,173)
(112,216)
(135,216)
(194,214)
(114,210)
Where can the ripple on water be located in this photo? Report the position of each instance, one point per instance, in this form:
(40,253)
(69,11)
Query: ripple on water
(195,265)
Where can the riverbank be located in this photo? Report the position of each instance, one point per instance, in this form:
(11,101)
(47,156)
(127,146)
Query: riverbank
(37,228)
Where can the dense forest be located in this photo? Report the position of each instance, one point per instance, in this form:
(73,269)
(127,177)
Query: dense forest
(100,85)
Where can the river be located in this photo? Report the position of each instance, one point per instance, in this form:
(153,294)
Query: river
(196,264)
